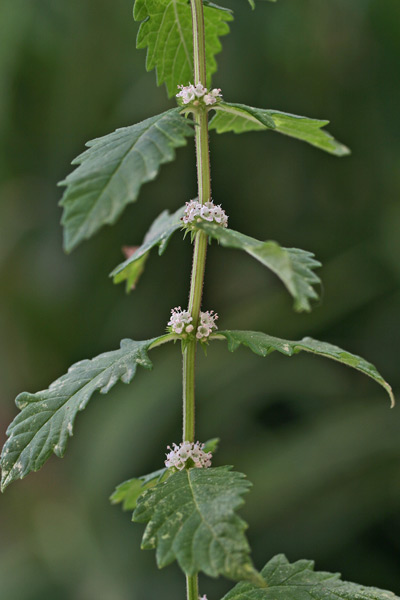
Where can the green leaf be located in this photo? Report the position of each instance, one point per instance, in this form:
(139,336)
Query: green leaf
(112,170)
(166,31)
(159,234)
(191,518)
(129,491)
(46,419)
(291,265)
(132,273)
(299,581)
(240,118)
(263,344)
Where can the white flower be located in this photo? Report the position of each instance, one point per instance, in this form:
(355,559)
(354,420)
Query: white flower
(180,321)
(203,597)
(178,456)
(190,92)
(207,325)
(208,211)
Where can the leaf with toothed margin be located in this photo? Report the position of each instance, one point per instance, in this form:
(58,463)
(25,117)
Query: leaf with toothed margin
(46,419)
(159,234)
(113,169)
(299,581)
(294,267)
(191,518)
(129,491)
(166,32)
(263,344)
(240,118)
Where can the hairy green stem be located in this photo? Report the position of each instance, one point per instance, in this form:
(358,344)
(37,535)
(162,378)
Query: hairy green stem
(200,245)
(192,587)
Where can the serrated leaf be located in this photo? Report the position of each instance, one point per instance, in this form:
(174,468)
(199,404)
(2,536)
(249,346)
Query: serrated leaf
(129,491)
(46,420)
(113,169)
(159,234)
(166,32)
(240,118)
(299,581)
(191,518)
(294,267)
(263,344)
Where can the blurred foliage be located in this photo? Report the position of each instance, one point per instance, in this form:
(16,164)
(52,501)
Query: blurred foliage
(318,441)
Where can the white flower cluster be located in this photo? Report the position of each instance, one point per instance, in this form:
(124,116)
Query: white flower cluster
(181,323)
(206,325)
(208,211)
(203,597)
(178,456)
(189,93)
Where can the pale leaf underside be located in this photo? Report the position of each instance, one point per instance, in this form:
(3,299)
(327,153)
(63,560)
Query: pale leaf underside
(113,169)
(293,266)
(299,581)
(166,32)
(46,420)
(263,344)
(159,235)
(191,518)
(240,118)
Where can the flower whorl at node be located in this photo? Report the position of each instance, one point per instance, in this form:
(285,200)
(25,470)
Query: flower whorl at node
(198,94)
(180,321)
(207,325)
(208,211)
(188,454)
(203,597)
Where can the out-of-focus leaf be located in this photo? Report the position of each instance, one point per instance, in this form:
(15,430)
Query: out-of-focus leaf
(113,169)
(166,31)
(191,518)
(263,344)
(240,118)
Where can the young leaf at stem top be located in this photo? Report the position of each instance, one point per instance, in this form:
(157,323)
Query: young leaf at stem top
(294,267)
(113,169)
(191,518)
(263,344)
(299,581)
(166,31)
(46,419)
(240,118)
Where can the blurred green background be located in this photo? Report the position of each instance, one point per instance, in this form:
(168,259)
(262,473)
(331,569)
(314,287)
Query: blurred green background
(317,440)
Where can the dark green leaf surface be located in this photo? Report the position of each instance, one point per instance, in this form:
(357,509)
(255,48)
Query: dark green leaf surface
(46,419)
(166,32)
(112,170)
(263,344)
(299,581)
(293,266)
(159,234)
(191,518)
(129,491)
(240,118)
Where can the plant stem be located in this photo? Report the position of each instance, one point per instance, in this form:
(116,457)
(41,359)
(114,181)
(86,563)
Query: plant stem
(200,245)
(192,587)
